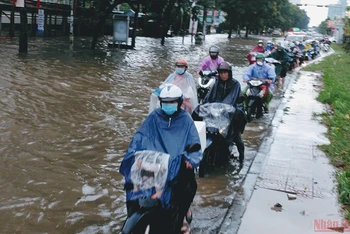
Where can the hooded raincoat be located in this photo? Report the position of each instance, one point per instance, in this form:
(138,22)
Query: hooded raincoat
(226,92)
(160,133)
(188,87)
(211,64)
(264,71)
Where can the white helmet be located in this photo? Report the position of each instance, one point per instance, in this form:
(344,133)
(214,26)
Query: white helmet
(171,93)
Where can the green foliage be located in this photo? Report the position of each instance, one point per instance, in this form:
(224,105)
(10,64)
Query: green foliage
(323,27)
(257,14)
(336,94)
(344,187)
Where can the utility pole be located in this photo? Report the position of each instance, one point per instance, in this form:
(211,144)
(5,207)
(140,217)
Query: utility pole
(23,38)
(71,23)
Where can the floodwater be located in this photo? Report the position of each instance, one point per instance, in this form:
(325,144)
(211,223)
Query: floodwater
(67,118)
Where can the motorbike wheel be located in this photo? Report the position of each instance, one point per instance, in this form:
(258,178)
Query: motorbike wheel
(204,164)
(250,112)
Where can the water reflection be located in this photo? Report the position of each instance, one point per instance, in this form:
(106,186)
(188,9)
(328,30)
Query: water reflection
(67,118)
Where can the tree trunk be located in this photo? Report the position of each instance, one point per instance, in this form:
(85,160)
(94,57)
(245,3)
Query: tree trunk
(101,22)
(230,33)
(23,38)
(164,20)
(246,32)
(96,33)
(12,22)
(205,13)
(136,20)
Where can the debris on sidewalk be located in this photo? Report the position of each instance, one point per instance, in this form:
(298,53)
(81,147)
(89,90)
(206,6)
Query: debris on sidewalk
(277,207)
(291,196)
(304,213)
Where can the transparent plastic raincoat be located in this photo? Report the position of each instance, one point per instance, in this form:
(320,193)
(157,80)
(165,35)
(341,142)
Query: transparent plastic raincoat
(188,87)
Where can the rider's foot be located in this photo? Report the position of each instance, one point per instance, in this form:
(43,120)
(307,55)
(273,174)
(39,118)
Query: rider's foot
(188,216)
(186,229)
(266,109)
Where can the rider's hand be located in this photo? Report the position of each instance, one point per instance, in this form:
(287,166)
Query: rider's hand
(188,165)
(269,81)
(245,81)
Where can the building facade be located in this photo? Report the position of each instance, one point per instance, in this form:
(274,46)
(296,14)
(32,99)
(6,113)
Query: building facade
(337,11)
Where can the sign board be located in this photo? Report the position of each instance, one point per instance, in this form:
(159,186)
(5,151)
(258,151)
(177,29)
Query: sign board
(193,26)
(20,3)
(41,21)
(120,28)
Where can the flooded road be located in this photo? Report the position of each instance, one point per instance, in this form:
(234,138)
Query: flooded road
(66,120)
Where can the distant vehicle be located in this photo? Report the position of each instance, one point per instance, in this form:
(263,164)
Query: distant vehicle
(332,39)
(293,37)
(277,33)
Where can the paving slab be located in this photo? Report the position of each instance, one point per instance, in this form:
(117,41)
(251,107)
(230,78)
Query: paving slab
(295,165)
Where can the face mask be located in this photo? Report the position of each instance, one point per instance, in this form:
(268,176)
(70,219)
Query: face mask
(169,108)
(180,71)
(213,56)
(259,63)
(260,45)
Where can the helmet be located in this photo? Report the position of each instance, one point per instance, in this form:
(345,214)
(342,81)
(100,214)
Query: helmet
(280,48)
(214,49)
(291,44)
(260,56)
(260,41)
(171,93)
(270,42)
(181,62)
(225,66)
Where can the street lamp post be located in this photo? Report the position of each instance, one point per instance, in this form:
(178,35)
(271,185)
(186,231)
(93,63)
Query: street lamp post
(23,38)
(71,24)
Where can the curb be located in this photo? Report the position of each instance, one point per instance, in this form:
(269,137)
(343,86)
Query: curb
(233,217)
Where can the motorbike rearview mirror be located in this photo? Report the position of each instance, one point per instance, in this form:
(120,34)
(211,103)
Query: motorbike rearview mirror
(193,148)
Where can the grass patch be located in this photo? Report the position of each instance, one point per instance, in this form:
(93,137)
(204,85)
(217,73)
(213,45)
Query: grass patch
(336,93)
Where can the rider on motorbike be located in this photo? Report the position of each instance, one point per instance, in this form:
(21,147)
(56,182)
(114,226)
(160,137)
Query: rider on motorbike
(261,70)
(212,61)
(259,48)
(167,129)
(184,80)
(270,46)
(281,55)
(228,90)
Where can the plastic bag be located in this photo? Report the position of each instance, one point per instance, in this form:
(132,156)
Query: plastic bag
(149,170)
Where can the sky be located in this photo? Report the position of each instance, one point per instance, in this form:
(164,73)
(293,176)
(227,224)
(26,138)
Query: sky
(317,14)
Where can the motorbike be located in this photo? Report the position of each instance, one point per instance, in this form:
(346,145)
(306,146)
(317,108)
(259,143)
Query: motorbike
(206,81)
(150,171)
(325,47)
(251,57)
(256,95)
(217,117)
(272,62)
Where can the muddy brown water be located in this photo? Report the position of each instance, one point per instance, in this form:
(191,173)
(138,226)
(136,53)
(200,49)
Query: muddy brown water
(67,118)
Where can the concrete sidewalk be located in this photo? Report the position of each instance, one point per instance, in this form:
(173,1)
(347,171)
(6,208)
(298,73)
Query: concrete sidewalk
(289,162)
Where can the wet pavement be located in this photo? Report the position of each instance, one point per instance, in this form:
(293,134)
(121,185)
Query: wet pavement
(289,163)
(67,118)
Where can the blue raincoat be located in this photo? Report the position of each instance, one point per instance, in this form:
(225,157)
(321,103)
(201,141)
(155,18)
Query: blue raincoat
(264,71)
(160,133)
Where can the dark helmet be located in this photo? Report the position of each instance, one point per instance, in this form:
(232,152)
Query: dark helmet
(214,49)
(225,66)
